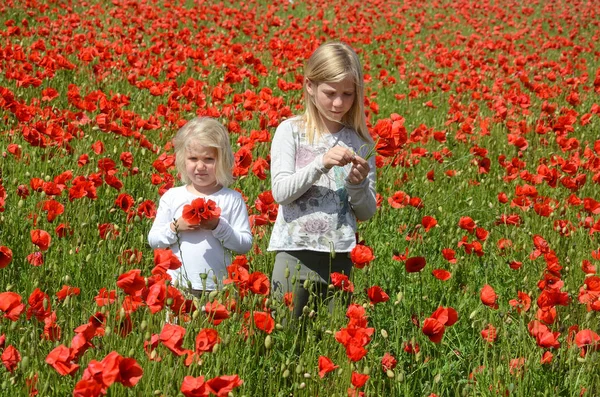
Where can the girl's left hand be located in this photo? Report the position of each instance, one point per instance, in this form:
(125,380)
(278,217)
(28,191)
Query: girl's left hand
(360,170)
(209,224)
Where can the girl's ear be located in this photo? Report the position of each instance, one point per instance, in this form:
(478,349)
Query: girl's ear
(310,88)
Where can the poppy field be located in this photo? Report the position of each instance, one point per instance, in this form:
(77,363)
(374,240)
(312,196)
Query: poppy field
(478,275)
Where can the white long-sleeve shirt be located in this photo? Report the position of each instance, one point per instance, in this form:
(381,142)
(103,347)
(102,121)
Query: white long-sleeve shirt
(318,208)
(202,251)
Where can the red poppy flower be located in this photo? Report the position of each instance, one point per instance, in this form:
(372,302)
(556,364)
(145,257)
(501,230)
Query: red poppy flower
(6,256)
(11,358)
(326,366)
(10,304)
(172,337)
(361,255)
(587,340)
(428,222)
(415,264)
(206,340)
(131,282)
(264,321)
(60,359)
(105,297)
(341,281)
(522,304)
(259,283)
(199,210)
(399,199)
(53,209)
(441,274)
(67,291)
(216,312)
(41,238)
(223,385)
(359,380)
(433,329)
(449,254)
(466,223)
(488,296)
(377,295)
(194,387)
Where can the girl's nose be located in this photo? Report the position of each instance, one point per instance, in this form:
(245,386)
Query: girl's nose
(337,101)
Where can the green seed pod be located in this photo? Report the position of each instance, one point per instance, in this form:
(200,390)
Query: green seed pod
(306,284)
(268,342)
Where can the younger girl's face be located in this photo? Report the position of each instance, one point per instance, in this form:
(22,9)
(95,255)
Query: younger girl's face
(333,100)
(201,167)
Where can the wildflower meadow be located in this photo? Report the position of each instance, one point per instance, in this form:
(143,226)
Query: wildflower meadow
(478,275)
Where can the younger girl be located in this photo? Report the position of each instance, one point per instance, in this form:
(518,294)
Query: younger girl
(320,177)
(204,160)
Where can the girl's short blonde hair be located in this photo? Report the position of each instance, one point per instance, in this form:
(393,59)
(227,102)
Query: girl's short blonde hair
(207,132)
(331,63)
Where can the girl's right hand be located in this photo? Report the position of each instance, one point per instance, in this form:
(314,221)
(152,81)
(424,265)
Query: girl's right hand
(338,156)
(180,225)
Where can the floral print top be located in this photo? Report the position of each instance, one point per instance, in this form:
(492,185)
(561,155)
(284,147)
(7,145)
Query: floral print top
(318,208)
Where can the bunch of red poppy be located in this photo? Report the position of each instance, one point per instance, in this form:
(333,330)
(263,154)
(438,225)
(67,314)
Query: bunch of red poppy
(435,325)
(200,210)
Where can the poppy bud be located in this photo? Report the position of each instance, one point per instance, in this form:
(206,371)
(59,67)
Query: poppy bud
(147,335)
(215,348)
(89,256)
(302,385)
(389,373)
(268,342)
(278,327)
(20,203)
(212,295)
(195,314)
(13,325)
(24,363)
(306,375)
(384,333)
(107,331)
(131,352)
(306,284)
(286,272)
(8,287)
(286,374)
(152,357)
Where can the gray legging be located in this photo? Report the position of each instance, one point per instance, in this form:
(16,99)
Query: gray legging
(313,266)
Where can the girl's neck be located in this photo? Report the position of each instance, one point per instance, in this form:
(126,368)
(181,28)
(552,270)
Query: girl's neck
(204,190)
(332,126)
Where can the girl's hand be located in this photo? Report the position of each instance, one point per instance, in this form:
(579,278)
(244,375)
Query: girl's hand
(180,225)
(360,170)
(209,224)
(339,156)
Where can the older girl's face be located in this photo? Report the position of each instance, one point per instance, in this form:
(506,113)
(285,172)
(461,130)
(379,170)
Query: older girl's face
(201,168)
(333,100)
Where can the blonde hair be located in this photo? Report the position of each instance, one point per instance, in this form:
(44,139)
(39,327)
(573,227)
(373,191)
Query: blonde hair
(207,132)
(331,63)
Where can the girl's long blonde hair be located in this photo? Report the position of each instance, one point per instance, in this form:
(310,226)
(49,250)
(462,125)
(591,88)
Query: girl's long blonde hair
(331,63)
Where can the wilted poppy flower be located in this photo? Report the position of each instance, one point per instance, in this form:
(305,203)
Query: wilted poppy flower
(342,282)
(489,334)
(326,366)
(10,358)
(388,362)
